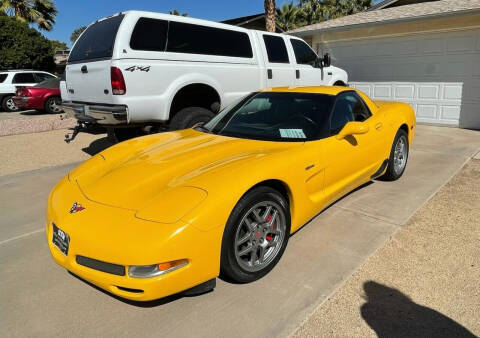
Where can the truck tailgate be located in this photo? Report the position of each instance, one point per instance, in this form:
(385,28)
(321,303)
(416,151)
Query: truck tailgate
(90,82)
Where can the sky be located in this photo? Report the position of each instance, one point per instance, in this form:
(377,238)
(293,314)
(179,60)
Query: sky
(73,14)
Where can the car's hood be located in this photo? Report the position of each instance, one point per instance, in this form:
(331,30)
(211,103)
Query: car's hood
(132,173)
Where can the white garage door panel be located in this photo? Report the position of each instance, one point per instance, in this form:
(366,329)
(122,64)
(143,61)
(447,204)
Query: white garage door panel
(437,73)
(432,102)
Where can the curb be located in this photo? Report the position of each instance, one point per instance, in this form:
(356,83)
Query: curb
(35,125)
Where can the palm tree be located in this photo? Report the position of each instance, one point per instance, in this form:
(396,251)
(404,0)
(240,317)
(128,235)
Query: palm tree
(270,15)
(41,12)
(289,16)
(339,8)
(175,12)
(314,11)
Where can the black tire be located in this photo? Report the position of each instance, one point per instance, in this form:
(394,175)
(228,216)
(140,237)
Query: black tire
(52,105)
(8,105)
(116,135)
(190,116)
(230,268)
(339,83)
(391,174)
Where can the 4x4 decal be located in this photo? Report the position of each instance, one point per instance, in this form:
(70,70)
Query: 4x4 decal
(134,68)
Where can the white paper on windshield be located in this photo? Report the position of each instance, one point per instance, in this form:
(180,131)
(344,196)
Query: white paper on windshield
(292,133)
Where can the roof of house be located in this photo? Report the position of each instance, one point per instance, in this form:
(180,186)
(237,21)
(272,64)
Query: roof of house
(407,12)
(244,19)
(395,3)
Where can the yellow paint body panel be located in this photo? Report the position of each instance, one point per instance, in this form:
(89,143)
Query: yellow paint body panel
(168,196)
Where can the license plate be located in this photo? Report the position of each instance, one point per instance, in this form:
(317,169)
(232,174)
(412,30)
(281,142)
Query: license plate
(60,239)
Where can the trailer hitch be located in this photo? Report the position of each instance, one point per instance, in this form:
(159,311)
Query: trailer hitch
(80,126)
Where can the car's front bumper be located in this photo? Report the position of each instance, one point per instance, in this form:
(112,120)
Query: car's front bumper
(113,235)
(109,115)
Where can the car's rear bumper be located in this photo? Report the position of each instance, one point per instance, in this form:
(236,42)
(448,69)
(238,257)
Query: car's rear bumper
(29,102)
(97,114)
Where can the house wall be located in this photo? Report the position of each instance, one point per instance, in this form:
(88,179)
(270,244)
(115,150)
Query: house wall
(434,65)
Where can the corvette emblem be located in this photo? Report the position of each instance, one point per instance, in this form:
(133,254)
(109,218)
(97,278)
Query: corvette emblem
(76,207)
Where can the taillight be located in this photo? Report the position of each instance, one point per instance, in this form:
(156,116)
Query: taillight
(23,92)
(118,83)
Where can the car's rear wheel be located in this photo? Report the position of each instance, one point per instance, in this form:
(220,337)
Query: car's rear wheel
(52,105)
(190,116)
(9,105)
(397,161)
(255,236)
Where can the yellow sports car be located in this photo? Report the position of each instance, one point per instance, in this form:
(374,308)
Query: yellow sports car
(166,213)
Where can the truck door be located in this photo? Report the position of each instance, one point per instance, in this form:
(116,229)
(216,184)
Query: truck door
(307,65)
(278,68)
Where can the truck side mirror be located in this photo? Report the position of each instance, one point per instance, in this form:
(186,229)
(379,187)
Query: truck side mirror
(326,61)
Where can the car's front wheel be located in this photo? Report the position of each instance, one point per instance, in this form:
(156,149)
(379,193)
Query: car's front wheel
(398,157)
(9,105)
(255,236)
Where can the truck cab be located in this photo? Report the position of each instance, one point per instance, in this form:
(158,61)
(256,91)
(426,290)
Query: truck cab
(137,72)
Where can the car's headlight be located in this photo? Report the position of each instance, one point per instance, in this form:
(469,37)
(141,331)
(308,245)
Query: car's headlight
(147,271)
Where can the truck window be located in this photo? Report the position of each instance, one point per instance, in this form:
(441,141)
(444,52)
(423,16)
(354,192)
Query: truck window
(303,53)
(197,39)
(23,78)
(149,34)
(276,49)
(3,77)
(97,41)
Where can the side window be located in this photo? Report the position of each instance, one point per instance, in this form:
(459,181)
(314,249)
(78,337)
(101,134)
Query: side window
(198,39)
(3,77)
(23,78)
(348,107)
(149,35)
(276,49)
(42,77)
(303,53)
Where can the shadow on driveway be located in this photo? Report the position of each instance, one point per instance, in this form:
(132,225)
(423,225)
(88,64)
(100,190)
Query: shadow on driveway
(390,313)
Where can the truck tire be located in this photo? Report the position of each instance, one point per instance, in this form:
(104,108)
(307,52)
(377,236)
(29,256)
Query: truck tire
(190,116)
(8,105)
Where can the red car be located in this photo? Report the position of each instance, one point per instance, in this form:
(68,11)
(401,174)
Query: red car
(44,96)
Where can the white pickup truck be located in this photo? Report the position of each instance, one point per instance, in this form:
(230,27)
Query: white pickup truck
(151,71)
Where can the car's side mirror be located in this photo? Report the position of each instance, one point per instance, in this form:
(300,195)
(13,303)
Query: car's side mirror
(326,61)
(352,128)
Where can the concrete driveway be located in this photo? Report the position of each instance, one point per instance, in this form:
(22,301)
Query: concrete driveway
(40,298)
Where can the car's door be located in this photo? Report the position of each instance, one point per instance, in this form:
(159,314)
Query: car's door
(279,71)
(307,69)
(350,161)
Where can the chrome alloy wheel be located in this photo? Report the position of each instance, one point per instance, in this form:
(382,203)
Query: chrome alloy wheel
(400,155)
(54,107)
(11,105)
(260,236)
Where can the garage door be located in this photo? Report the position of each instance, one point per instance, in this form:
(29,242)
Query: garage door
(437,73)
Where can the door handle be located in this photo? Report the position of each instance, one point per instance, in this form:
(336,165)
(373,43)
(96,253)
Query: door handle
(378,126)
(84,69)
(297,74)
(269,74)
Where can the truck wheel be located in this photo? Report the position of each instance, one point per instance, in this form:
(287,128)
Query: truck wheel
(116,135)
(8,105)
(190,116)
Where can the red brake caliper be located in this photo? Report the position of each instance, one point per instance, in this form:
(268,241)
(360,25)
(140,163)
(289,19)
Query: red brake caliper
(269,237)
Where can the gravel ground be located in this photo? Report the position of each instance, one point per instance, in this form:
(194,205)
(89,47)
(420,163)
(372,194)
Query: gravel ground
(423,282)
(49,149)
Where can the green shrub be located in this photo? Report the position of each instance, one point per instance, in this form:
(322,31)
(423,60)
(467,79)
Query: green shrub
(22,47)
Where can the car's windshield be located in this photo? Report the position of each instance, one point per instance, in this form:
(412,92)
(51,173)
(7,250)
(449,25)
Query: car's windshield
(275,116)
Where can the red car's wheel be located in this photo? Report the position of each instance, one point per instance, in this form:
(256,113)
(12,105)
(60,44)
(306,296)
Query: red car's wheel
(52,105)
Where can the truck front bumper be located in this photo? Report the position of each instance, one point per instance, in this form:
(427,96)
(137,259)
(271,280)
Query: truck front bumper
(97,114)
